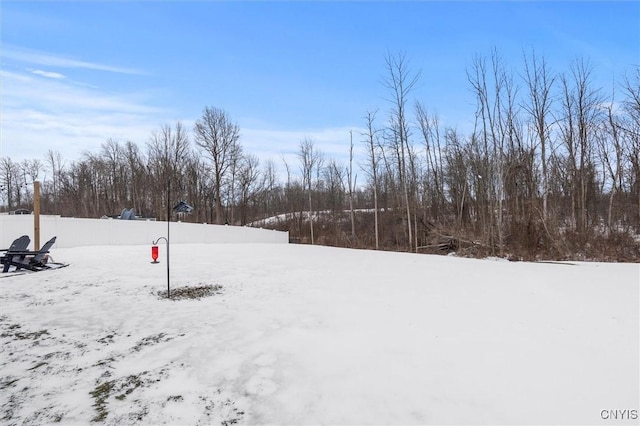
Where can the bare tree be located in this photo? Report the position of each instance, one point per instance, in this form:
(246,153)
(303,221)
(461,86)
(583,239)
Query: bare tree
(611,152)
(400,82)
(580,111)
(31,170)
(287,189)
(352,183)
(137,184)
(430,129)
(168,151)
(231,187)
(631,88)
(54,161)
(331,194)
(372,145)
(458,162)
(219,137)
(112,158)
(198,188)
(9,180)
(489,136)
(270,187)
(310,158)
(539,81)
(248,182)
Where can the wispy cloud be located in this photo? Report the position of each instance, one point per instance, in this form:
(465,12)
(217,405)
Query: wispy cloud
(47,74)
(39,114)
(44,108)
(46,59)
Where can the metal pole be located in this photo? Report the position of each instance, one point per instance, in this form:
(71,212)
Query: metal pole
(36,215)
(168,220)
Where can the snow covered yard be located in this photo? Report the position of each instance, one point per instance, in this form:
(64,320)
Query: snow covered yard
(310,335)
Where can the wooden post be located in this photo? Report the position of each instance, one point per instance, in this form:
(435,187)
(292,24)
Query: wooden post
(36,215)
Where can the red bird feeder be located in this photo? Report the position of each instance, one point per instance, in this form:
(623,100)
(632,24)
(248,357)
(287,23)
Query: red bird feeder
(154,254)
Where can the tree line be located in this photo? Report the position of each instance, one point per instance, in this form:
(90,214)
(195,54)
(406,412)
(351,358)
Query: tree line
(551,168)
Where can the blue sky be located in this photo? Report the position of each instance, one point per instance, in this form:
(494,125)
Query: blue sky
(74,74)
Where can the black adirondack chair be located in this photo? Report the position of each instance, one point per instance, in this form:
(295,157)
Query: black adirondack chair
(31,260)
(14,252)
(19,244)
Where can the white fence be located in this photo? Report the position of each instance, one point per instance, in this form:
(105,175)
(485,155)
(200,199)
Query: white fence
(73,232)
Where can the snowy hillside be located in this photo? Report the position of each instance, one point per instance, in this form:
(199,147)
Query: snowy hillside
(310,335)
